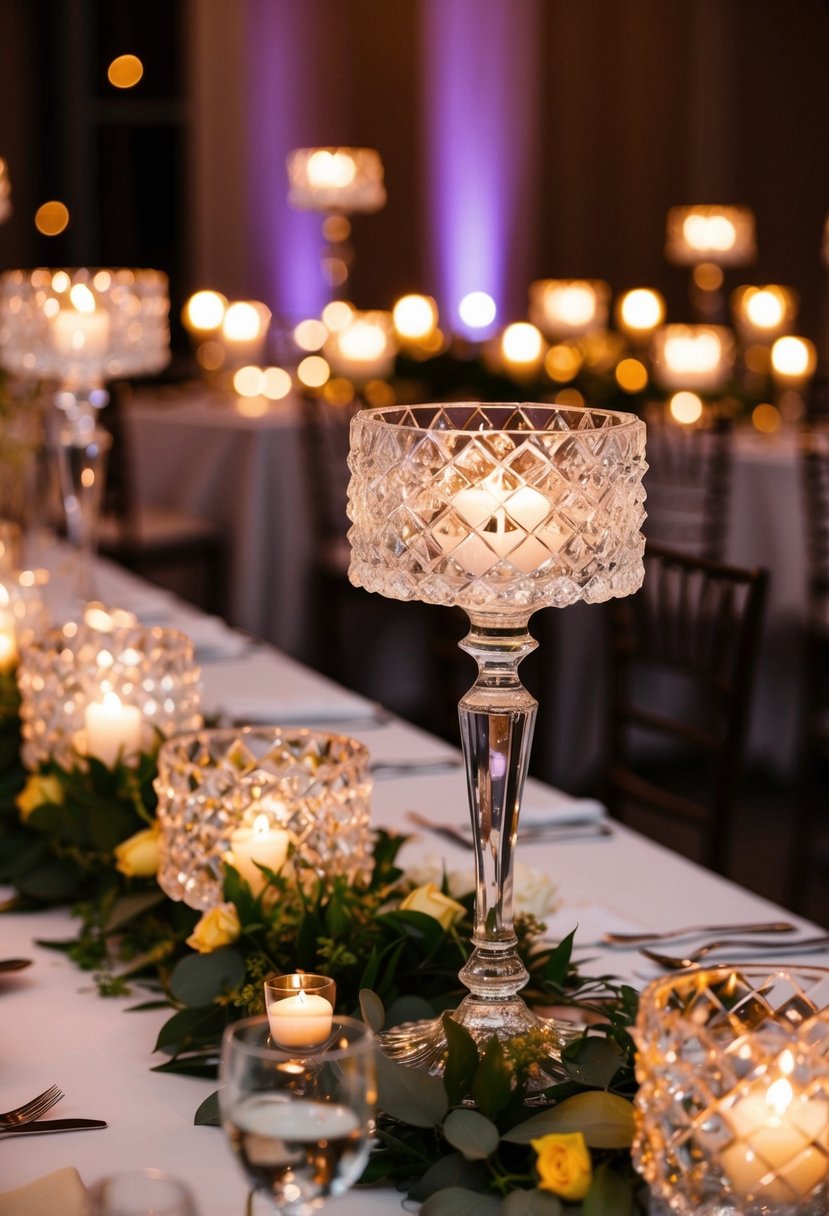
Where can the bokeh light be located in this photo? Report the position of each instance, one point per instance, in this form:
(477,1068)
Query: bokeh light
(522,343)
(631,376)
(242,322)
(562,362)
(477,310)
(310,334)
(313,371)
(125,71)
(415,316)
(766,418)
(793,357)
(685,407)
(204,311)
(249,381)
(51,218)
(337,315)
(276,383)
(641,310)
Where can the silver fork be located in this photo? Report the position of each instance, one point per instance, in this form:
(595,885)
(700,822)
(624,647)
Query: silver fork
(803,945)
(640,939)
(33,1109)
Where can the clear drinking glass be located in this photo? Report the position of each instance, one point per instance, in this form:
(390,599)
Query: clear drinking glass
(300,1121)
(141,1193)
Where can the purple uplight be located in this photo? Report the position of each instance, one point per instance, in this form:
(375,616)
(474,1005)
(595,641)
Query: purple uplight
(284,112)
(480,81)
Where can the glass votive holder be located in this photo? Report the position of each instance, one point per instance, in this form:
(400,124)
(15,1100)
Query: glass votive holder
(732,1112)
(242,796)
(23,614)
(105,687)
(300,1008)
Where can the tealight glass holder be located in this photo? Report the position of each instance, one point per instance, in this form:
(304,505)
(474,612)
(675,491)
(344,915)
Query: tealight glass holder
(499,509)
(300,1008)
(569,308)
(721,235)
(214,785)
(23,613)
(732,1111)
(347,180)
(90,686)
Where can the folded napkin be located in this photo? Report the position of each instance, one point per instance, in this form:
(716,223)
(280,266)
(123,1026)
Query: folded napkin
(212,639)
(297,710)
(549,806)
(59,1194)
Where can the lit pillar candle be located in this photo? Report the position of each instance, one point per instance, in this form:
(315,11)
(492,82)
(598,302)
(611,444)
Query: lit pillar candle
(262,843)
(303,1020)
(113,729)
(778,1130)
(80,334)
(497,521)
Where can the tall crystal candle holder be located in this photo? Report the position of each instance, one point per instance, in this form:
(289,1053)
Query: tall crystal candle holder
(732,1112)
(259,796)
(501,509)
(81,328)
(106,687)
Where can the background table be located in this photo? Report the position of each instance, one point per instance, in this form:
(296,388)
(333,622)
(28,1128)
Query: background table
(55,1028)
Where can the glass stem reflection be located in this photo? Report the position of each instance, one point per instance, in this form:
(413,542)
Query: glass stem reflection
(82,455)
(497,718)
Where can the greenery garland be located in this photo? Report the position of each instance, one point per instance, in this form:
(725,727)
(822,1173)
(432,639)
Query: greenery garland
(463,1142)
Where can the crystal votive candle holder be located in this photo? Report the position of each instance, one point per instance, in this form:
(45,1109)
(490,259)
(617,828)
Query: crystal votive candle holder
(23,613)
(216,786)
(732,1111)
(104,674)
(300,1008)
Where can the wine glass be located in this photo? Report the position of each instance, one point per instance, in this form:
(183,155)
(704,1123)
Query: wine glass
(141,1193)
(300,1121)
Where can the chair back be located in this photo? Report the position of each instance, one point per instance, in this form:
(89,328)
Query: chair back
(814,466)
(325,427)
(688,483)
(683,652)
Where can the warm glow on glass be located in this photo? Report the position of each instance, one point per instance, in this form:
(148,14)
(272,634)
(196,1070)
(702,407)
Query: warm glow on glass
(51,218)
(766,418)
(60,282)
(336,228)
(326,168)
(313,371)
(709,233)
(276,383)
(249,381)
(204,311)
(792,357)
(631,376)
(641,310)
(125,71)
(310,334)
(82,298)
(477,310)
(415,316)
(708,276)
(522,343)
(685,408)
(568,307)
(242,322)
(562,362)
(337,315)
(764,309)
(570,397)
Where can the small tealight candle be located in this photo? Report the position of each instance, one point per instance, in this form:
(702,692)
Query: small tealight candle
(304,1018)
(262,843)
(113,729)
(8,649)
(80,334)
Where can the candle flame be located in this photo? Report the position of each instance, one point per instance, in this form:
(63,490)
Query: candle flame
(112,701)
(260,825)
(82,298)
(779,1096)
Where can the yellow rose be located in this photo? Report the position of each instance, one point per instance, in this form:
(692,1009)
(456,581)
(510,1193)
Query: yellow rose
(218,927)
(563,1164)
(431,900)
(37,791)
(138,857)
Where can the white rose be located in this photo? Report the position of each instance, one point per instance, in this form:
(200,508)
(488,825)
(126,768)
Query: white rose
(534,892)
(431,869)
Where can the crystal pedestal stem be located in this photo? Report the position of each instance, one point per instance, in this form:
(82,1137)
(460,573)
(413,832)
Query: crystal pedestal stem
(82,449)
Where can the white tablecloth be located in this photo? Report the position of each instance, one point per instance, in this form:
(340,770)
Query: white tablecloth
(55,1028)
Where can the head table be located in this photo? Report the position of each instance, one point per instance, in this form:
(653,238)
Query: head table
(55,1028)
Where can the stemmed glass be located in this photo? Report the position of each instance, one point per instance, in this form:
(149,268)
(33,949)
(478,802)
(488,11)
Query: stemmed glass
(499,509)
(141,1193)
(300,1121)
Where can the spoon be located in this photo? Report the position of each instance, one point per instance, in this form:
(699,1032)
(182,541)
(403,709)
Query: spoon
(670,963)
(14,964)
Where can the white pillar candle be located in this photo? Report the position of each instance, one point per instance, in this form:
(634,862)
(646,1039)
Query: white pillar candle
(498,521)
(303,1020)
(80,334)
(777,1130)
(113,730)
(262,843)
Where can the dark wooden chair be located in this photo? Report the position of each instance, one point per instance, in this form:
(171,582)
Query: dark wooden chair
(187,553)
(682,660)
(810,850)
(688,483)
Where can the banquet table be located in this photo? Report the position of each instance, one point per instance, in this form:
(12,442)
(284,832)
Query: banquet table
(56,1029)
(243,469)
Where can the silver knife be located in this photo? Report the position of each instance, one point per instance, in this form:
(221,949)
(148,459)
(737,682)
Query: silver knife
(39,1127)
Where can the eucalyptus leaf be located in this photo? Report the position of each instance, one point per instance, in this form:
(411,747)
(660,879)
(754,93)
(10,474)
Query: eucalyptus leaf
(471,1133)
(492,1083)
(408,1009)
(609,1195)
(531,1203)
(52,880)
(410,1095)
(199,978)
(371,1007)
(458,1201)
(558,964)
(128,907)
(205,1067)
(452,1170)
(208,1113)
(605,1120)
(181,1029)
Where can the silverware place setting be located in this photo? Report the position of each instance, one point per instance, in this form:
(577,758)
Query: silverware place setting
(383,769)
(551,830)
(803,945)
(644,938)
(30,1110)
(45,1127)
(14,964)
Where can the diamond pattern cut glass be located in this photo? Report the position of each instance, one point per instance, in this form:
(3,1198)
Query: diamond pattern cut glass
(500,509)
(733,1106)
